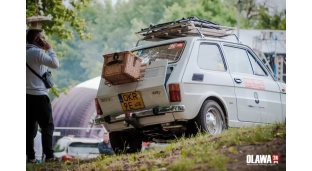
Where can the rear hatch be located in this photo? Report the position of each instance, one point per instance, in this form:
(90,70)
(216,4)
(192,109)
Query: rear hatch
(150,91)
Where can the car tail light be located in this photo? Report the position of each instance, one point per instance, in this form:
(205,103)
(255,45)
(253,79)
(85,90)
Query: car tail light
(67,157)
(97,106)
(174,92)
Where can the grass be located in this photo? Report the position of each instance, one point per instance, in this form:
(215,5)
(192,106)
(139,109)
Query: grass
(201,151)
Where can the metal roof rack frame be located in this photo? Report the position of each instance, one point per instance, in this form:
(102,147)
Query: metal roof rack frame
(185,28)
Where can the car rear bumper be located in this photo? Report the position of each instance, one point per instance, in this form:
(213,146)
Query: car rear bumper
(160,114)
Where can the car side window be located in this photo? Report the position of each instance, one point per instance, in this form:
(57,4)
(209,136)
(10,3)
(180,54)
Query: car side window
(255,65)
(209,57)
(238,60)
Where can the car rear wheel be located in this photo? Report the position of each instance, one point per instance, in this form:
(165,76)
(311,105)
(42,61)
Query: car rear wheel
(125,142)
(135,144)
(210,118)
(118,141)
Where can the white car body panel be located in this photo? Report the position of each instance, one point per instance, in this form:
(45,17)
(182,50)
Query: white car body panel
(237,100)
(215,84)
(283,98)
(153,81)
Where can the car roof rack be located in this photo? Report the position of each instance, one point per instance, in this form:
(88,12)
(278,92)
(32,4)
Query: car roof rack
(185,27)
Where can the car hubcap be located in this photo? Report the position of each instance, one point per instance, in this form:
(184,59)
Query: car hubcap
(213,121)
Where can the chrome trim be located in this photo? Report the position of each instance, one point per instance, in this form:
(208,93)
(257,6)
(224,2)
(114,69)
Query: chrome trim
(172,126)
(143,113)
(98,120)
(174,108)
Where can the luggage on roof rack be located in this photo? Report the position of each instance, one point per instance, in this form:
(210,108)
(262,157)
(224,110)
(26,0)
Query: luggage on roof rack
(191,26)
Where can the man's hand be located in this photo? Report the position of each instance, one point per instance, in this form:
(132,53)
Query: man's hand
(46,46)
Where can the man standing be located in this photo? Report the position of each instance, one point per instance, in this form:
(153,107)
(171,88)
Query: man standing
(105,146)
(38,105)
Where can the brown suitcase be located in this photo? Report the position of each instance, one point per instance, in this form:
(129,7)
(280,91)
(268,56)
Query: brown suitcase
(120,68)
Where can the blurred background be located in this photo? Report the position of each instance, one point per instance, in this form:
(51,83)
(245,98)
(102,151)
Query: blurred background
(81,32)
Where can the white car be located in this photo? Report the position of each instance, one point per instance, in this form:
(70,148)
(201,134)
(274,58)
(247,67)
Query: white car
(189,83)
(68,148)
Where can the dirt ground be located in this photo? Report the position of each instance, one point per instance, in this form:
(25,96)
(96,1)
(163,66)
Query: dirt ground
(237,159)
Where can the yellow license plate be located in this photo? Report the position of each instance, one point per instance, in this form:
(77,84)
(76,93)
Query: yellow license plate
(131,101)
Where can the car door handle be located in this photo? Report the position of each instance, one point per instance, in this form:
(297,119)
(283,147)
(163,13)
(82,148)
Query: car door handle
(237,80)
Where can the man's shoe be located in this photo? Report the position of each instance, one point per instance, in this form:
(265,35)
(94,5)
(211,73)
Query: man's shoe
(32,161)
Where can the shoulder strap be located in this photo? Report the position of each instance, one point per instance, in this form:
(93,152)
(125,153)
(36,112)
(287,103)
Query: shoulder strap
(33,71)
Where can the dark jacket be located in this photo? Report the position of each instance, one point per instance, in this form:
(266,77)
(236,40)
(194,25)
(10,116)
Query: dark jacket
(105,148)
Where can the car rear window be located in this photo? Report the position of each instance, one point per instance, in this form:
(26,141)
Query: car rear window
(172,52)
(83,148)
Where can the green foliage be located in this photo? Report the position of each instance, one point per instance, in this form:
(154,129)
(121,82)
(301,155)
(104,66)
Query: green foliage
(61,15)
(68,162)
(213,10)
(275,22)
(259,15)
(133,158)
(55,91)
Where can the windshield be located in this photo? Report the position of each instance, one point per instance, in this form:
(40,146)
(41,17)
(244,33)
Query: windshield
(83,148)
(172,52)
(61,145)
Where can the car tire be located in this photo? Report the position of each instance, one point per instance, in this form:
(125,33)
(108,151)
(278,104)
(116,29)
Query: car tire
(135,143)
(210,118)
(125,142)
(118,142)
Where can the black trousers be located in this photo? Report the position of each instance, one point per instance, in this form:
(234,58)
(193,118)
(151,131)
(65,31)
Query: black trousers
(39,110)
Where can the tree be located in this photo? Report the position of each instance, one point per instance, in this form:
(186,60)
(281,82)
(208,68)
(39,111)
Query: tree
(61,15)
(214,10)
(277,21)
(259,15)
(113,28)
